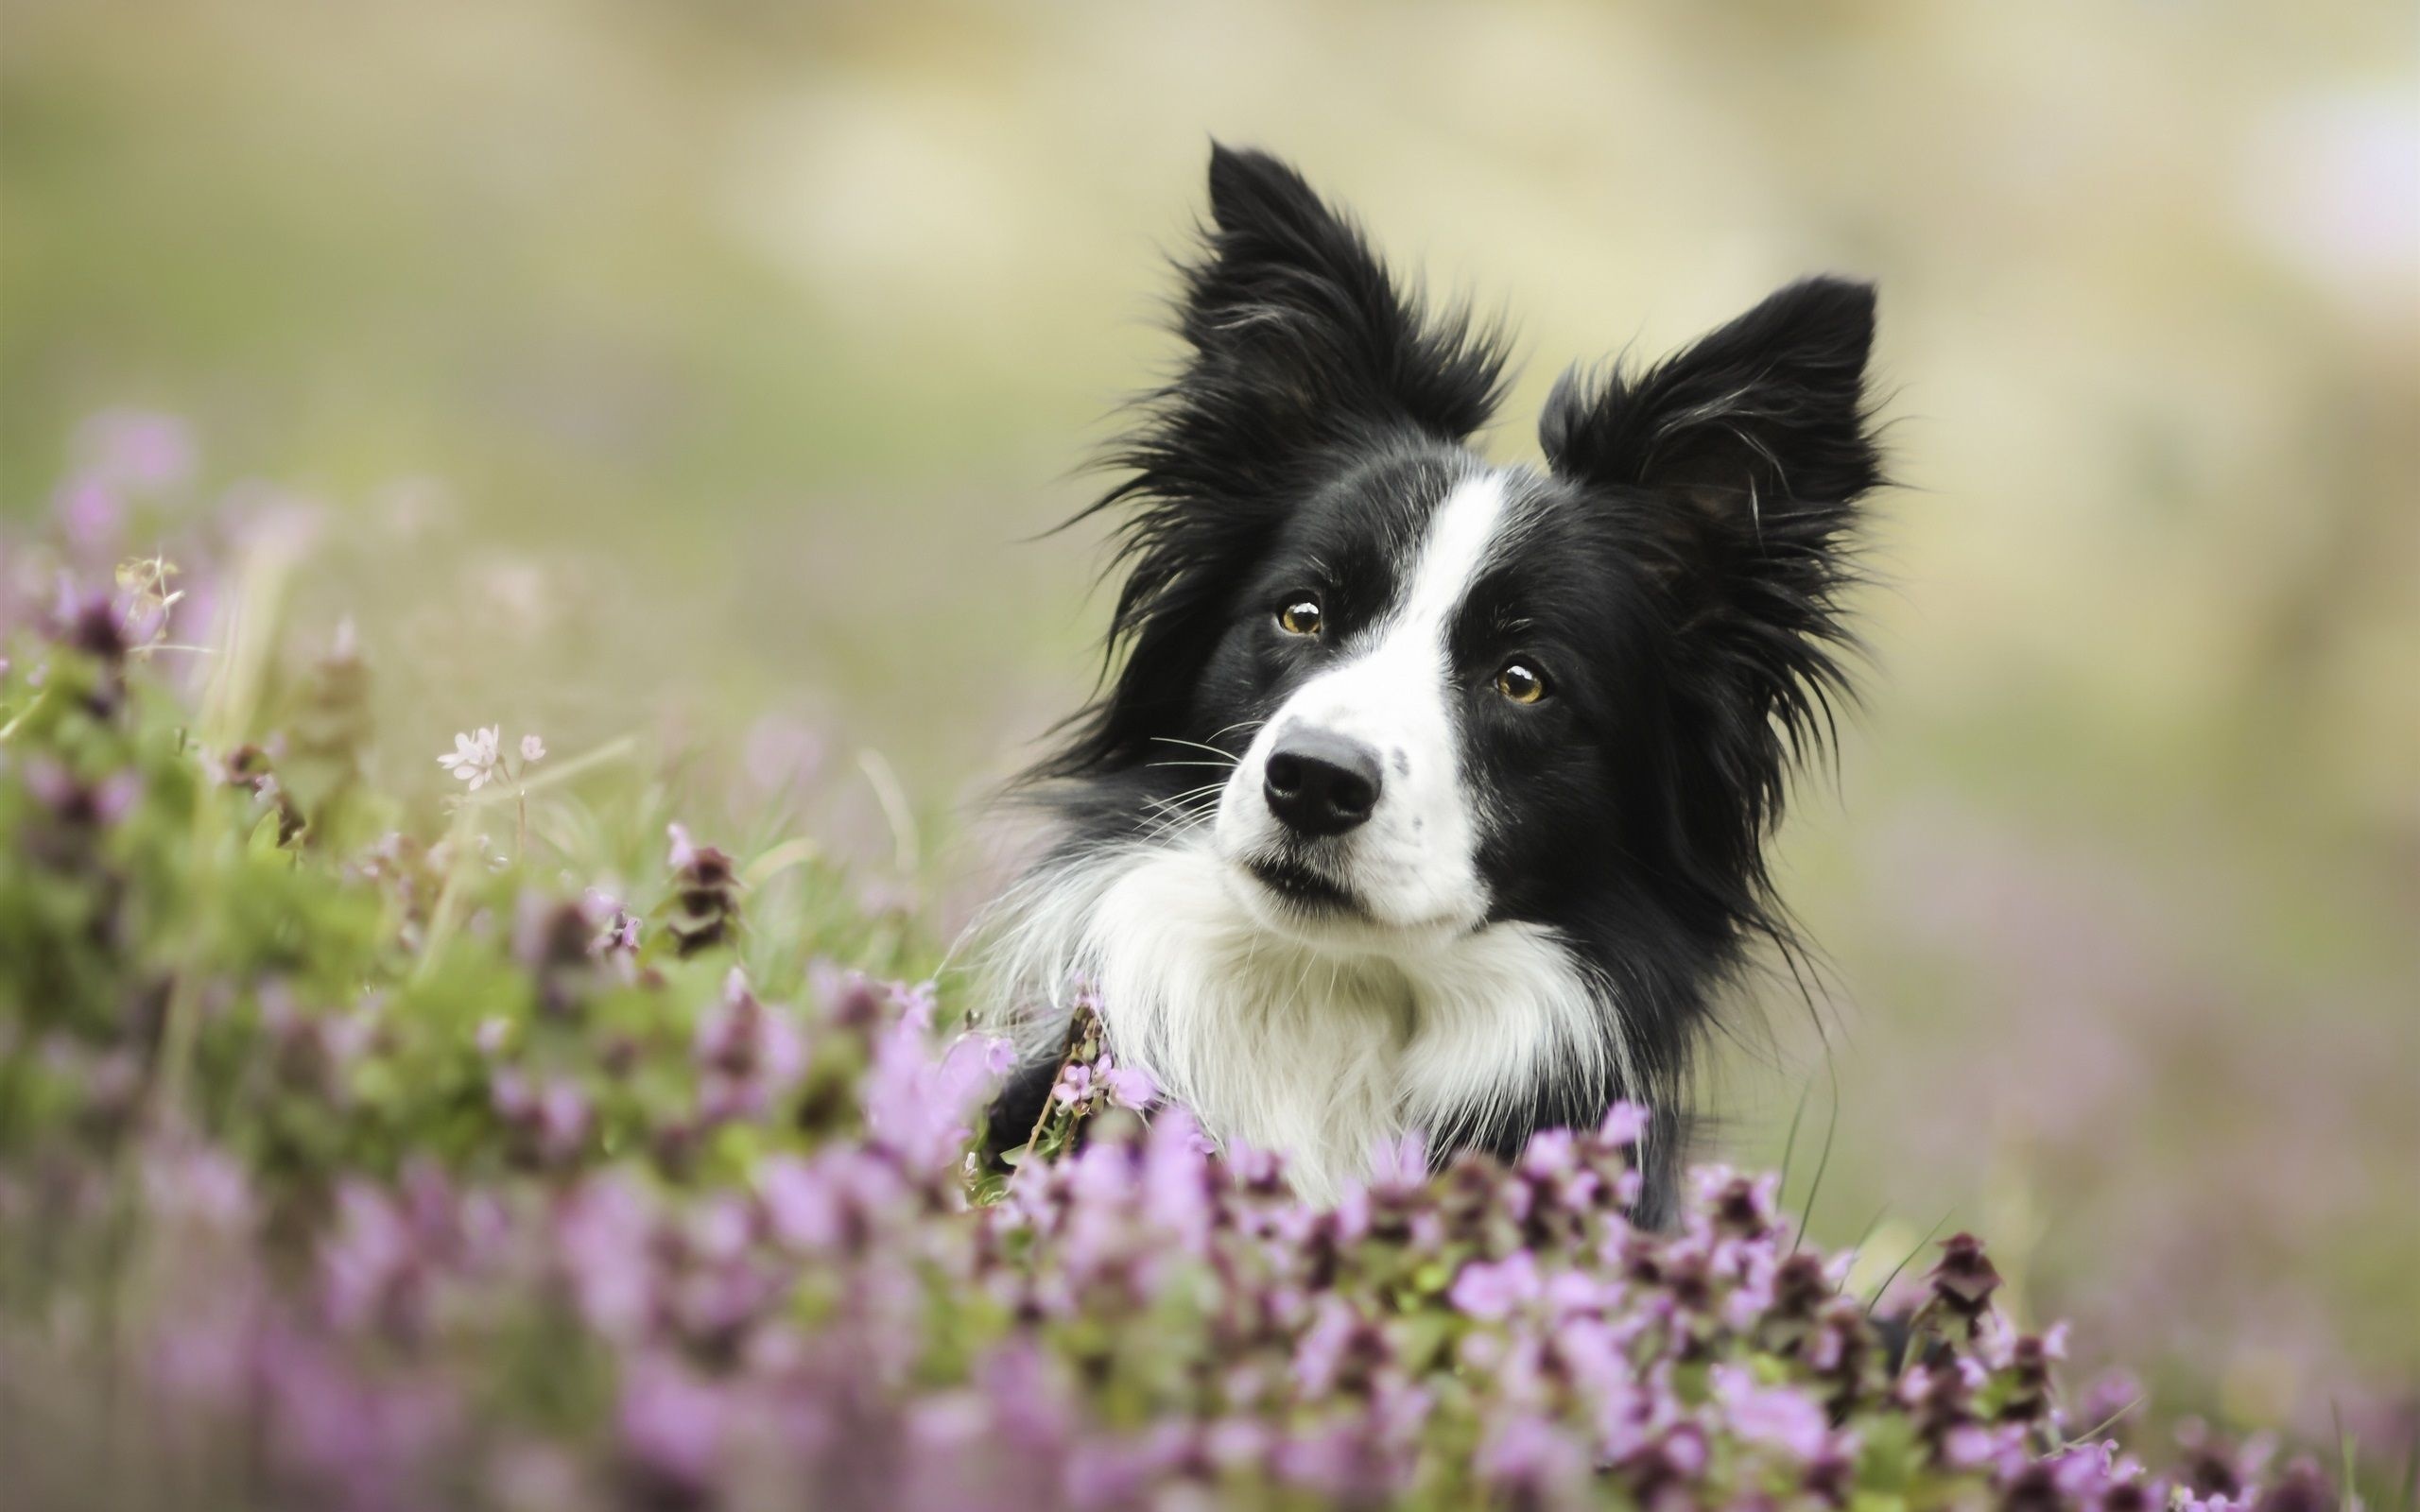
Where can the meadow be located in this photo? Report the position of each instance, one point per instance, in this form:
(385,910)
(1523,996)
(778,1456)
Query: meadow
(695,387)
(552,1157)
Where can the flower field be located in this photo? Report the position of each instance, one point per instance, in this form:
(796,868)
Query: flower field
(536,1152)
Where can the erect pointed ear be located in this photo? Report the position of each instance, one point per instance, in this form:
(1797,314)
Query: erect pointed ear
(1739,461)
(1303,349)
(1299,327)
(1763,417)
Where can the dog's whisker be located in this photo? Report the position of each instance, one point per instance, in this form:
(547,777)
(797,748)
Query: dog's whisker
(1188,802)
(1175,821)
(1231,757)
(1181,800)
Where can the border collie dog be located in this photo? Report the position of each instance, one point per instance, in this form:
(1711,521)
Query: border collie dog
(1430,794)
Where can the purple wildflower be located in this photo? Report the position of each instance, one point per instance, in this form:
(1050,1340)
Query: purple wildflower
(673,1426)
(1530,1462)
(1780,1417)
(1128,1085)
(750,1053)
(602,1230)
(137,449)
(1494,1290)
(1075,1083)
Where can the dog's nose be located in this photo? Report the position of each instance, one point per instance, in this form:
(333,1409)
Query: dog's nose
(1319,783)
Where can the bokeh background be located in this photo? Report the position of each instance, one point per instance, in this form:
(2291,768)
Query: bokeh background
(708,371)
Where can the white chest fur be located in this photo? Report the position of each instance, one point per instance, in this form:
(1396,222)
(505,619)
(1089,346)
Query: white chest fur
(1315,1053)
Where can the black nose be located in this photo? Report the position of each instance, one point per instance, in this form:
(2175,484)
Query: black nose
(1318,783)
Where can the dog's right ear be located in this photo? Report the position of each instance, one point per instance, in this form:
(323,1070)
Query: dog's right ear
(1303,351)
(1299,334)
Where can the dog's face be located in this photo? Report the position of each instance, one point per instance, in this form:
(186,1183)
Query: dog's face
(1415,666)
(1398,693)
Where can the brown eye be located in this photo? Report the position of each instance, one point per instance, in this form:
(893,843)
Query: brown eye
(1301,617)
(1520,682)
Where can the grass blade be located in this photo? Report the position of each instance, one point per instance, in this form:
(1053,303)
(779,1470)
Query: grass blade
(1822,1162)
(1876,1300)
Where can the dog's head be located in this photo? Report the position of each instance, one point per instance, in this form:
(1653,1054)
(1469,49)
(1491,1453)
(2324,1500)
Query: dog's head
(1400,692)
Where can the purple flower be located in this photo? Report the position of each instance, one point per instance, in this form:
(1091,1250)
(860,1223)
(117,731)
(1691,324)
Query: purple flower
(79,804)
(602,1230)
(1237,1444)
(1495,1290)
(1781,1418)
(1530,1462)
(1341,1351)
(617,928)
(1337,1460)
(1074,1085)
(1107,1474)
(1177,1196)
(202,1186)
(838,1195)
(2106,1399)
(1552,1154)
(1128,1085)
(362,1441)
(139,449)
(209,1355)
(368,1257)
(672,1427)
(92,515)
(1965,1279)
(1625,1123)
(750,1053)
(563,1120)
(1970,1445)
(802,1207)
(921,1106)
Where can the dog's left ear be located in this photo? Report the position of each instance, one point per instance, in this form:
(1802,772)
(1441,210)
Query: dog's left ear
(1740,462)
(1762,422)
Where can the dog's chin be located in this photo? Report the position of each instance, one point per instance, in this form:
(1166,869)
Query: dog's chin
(1303,903)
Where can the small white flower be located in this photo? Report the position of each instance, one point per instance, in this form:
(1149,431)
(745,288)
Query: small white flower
(532,748)
(476,759)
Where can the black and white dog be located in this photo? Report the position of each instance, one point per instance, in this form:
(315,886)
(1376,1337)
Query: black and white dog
(1431,794)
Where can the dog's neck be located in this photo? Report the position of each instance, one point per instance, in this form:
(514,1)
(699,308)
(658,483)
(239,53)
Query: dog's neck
(1319,1054)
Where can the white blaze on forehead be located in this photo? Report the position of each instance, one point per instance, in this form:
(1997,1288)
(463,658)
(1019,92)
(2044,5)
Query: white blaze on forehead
(1460,535)
(1395,690)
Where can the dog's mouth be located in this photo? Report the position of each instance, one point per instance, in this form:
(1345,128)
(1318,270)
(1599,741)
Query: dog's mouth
(1300,887)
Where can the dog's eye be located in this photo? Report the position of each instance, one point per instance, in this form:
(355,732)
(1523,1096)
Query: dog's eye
(1301,617)
(1521,682)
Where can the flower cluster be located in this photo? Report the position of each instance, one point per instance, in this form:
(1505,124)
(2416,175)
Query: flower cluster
(395,1181)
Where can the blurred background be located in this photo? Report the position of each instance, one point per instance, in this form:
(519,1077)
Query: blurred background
(708,371)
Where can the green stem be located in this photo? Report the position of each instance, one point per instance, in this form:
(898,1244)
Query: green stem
(22,715)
